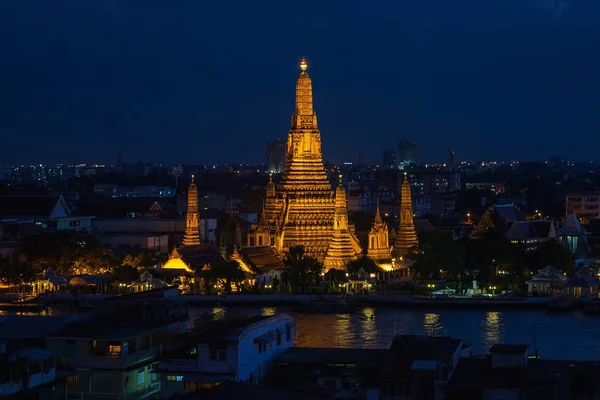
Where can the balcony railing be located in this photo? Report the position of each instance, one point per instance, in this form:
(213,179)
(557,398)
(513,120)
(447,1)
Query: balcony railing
(138,394)
(119,361)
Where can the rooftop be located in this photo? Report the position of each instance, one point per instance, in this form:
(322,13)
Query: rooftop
(100,327)
(226,329)
(316,355)
(28,326)
(509,348)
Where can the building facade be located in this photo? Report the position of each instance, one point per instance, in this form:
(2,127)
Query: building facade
(227,350)
(408,153)
(276,153)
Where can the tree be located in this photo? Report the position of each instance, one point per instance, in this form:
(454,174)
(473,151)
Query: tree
(68,252)
(550,253)
(126,273)
(226,273)
(365,263)
(138,260)
(439,255)
(300,270)
(16,274)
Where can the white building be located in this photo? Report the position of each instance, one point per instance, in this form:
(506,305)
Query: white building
(227,350)
(37,366)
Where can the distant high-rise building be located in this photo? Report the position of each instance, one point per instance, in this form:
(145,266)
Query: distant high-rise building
(276,156)
(451,159)
(389,158)
(407,153)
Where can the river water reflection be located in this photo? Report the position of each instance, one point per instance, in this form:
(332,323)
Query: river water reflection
(560,336)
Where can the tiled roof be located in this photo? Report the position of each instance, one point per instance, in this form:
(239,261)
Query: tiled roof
(17,206)
(265,258)
(198,255)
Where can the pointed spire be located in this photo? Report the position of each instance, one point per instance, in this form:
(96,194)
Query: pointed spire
(192,218)
(406,239)
(378,220)
(304,117)
(263,215)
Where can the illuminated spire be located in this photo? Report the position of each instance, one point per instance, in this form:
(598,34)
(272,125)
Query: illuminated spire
(304,117)
(378,221)
(192,218)
(406,239)
(303,64)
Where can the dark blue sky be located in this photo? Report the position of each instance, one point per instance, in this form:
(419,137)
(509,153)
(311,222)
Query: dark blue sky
(205,81)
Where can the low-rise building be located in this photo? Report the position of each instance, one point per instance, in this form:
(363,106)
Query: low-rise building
(264,261)
(109,359)
(50,213)
(29,373)
(510,373)
(226,350)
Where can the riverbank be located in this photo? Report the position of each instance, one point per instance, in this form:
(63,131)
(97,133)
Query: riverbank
(405,301)
(395,301)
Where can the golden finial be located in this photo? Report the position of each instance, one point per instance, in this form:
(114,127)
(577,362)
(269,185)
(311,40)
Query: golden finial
(303,65)
(192,179)
(271,177)
(340,179)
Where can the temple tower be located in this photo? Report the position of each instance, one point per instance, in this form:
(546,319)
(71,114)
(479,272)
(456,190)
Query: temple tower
(192,218)
(304,172)
(379,242)
(302,210)
(406,238)
(341,248)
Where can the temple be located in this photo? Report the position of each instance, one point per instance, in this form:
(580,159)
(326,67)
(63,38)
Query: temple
(193,255)
(341,247)
(406,238)
(302,210)
(192,218)
(379,242)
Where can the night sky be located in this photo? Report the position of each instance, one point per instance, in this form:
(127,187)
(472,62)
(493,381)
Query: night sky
(208,81)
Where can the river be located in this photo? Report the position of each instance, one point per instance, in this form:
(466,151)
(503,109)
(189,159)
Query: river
(571,335)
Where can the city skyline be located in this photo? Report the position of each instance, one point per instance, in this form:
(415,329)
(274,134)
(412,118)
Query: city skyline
(510,81)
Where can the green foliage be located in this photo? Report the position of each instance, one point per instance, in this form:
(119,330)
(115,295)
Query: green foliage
(438,251)
(139,260)
(226,273)
(13,273)
(126,274)
(364,262)
(68,252)
(301,270)
(550,253)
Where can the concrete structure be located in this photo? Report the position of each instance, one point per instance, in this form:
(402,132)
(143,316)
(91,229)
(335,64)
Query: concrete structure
(227,350)
(585,206)
(28,370)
